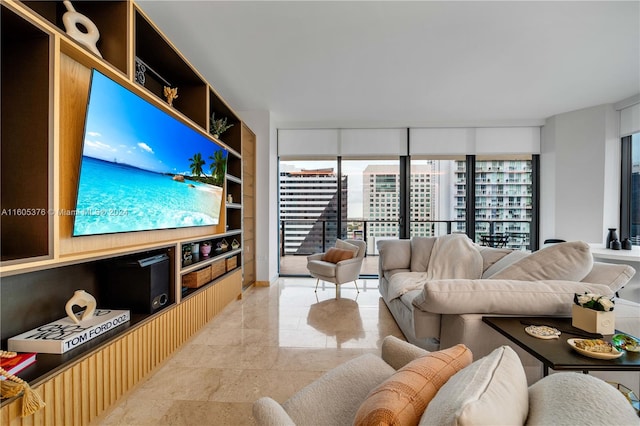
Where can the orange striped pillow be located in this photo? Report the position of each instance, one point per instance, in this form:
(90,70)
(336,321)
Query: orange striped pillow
(402,398)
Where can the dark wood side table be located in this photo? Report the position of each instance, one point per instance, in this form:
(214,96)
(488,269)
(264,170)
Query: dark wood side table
(557,354)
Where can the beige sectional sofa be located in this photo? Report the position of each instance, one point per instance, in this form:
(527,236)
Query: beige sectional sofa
(408,385)
(439,306)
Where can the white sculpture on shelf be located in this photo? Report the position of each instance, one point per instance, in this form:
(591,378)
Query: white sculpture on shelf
(84,300)
(71,19)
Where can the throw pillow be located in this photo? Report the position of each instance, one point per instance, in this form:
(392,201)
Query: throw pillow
(573,398)
(570,261)
(402,399)
(491,391)
(335,255)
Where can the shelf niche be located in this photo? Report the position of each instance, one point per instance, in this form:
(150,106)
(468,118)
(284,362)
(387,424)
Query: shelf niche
(166,67)
(25,220)
(110,18)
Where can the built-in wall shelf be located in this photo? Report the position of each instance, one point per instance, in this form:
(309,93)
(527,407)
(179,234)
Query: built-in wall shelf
(45,80)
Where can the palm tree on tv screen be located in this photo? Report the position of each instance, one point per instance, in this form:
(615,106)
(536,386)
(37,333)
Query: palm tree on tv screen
(196,164)
(218,167)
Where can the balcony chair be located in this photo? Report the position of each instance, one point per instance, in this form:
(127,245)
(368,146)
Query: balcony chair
(328,266)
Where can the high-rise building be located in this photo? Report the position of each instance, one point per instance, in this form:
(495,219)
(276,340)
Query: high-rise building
(308,209)
(503,198)
(381,205)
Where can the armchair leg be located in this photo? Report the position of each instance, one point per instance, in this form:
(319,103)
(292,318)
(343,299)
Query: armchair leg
(317,282)
(357,289)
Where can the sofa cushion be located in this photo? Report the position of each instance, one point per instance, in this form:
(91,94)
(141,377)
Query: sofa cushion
(421,252)
(403,397)
(574,399)
(491,391)
(335,255)
(505,261)
(394,254)
(491,255)
(613,275)
(340,392)
(513,297)
(570,261)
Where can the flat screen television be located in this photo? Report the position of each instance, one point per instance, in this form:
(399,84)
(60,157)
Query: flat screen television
(142,169)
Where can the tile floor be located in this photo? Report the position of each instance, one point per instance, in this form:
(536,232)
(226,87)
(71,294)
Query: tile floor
(273,342)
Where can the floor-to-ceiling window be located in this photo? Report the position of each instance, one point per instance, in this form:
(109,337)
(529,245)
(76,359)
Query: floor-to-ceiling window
(504,190)
(635,189)
(437,193)
(308,209)
(630,194)
(375,184)
(373,200)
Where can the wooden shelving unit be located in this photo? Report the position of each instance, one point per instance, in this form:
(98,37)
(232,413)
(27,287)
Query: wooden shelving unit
(45,82)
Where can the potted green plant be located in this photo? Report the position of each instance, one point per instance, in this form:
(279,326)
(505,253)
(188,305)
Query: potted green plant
(218,126)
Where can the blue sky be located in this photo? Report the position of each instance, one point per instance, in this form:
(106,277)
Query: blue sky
(123,127)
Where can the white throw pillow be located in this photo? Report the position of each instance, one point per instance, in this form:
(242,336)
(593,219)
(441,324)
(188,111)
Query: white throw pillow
(491,391)
(578,399)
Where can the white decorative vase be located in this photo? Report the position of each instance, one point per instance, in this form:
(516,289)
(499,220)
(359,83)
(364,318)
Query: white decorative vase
(593,321)
(84,300)
(71,19)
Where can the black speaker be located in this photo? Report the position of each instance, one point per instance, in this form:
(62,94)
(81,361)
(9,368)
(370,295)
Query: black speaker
(139,285)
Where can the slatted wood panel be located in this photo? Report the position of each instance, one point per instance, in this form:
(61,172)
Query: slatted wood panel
(85,389)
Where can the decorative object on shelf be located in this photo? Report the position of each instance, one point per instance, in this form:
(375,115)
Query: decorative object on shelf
(72,20)
(219,126)
(611,236)
(594,348)
(205,248)
(626,244)
(235,244)
(13,362)
(142,69)
(14,386)
(625,342)
(170,93)
(197,279)
(615,245)
(186,252)
(48,339)
(195,248)
(593,313)
(84,300)
(229,198)
(542,332)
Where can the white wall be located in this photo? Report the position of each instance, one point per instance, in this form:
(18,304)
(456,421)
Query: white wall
(580,175)
(266,193)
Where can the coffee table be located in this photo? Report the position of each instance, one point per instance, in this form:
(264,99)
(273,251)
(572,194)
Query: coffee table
(556,353)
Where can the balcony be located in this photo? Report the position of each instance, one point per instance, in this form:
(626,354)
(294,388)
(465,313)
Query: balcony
(293,254)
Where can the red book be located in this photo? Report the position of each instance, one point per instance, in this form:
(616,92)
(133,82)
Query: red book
(18,362)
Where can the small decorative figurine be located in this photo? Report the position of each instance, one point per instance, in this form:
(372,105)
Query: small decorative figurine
(84,300)
(88,38)
(170,93)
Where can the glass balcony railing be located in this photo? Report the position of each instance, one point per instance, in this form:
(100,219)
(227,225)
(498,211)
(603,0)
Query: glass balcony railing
(319,235)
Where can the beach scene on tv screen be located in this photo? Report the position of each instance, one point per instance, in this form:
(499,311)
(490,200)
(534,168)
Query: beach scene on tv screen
(142,169)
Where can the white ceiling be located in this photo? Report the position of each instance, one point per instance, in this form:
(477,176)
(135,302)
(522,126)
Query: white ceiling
(392,63)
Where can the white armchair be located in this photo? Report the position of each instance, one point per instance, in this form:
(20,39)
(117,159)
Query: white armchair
(341,272)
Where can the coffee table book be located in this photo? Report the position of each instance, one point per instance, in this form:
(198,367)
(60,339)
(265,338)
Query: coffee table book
(17,363)
(63,335)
